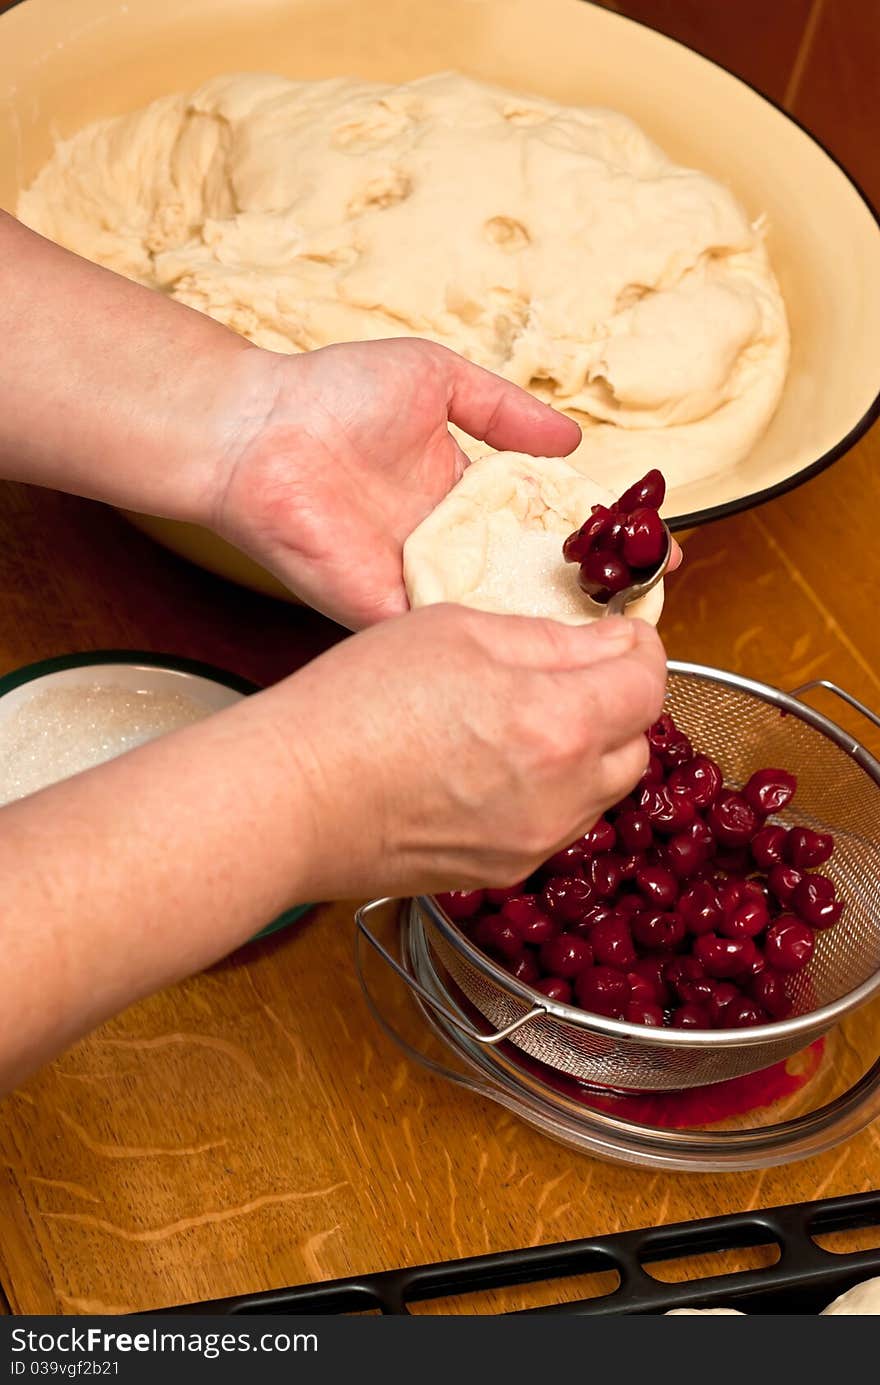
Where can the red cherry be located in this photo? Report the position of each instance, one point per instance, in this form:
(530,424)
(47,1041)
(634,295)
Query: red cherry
(498,897)
(521,909)
(658,932)
(606,875)
(754,968)
(770,990)
(768,846)
(567,897)
(644,538)
(678,752)
(723,993)
(724,957)
(650,492)
(540,929)
(600,838)
(634,830)
(698,831)
(595,913)
(743,1014)
(736,892)
(571,860)
(603,991)
(681,973)
(815,903)
(732,819)
(700,907)
(691,1016)
(603,572)
(565,955)
(789,944)
(641,990)
(460,904)
(659,886)
(555,988)
(598,913)
(525,969)
(783,881)
(670,810)
(747,920)
(711,875)
(806,849)
(702,776)
(604,528)
(499,937)
(629,904)
(643,1012)
(770,790)
(685,855)
(536,929)
(612,943)
(630,864)
(701,989)
(648,982)
(662,733)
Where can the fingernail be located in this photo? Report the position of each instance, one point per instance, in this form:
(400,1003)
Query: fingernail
(615,631)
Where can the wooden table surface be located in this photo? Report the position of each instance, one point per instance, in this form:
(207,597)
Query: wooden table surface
(253,1127)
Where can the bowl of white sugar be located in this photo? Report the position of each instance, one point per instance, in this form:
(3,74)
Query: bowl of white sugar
(65,715)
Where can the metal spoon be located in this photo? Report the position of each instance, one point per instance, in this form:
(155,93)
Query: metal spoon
(617,604)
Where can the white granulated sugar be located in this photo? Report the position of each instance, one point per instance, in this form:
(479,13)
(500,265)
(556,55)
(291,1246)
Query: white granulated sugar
(61,731)
(531,578)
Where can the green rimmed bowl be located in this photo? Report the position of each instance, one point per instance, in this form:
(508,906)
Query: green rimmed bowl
(212,688)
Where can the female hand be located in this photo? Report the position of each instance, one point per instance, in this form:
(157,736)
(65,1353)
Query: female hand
(318,465)
(352,452)
(453,748)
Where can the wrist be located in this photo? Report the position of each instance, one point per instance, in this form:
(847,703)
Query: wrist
(216,411)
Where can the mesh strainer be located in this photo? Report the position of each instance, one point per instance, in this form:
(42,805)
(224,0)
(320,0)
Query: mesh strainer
(742,724)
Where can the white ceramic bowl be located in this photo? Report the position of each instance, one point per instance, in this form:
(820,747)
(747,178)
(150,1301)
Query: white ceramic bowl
(62,66)
(211,688)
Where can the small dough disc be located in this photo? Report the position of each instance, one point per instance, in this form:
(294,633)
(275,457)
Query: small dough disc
(862,1299)
(495,542)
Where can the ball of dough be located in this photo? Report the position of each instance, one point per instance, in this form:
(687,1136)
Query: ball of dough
(696,1312)
(862,1299)
(495,542)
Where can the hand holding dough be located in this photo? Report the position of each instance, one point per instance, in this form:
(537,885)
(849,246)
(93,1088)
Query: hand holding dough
(495,542)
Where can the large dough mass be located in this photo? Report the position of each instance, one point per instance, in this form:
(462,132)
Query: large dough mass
(495,542)
(555,245)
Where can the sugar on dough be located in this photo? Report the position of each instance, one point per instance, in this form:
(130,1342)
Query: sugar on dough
(495,542)
(556,245)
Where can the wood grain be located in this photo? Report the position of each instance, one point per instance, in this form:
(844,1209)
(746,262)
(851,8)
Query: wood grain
(254,1127)
(757,41)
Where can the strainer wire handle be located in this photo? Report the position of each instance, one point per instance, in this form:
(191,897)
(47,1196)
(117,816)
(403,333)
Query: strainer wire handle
(838,692)
(360,918)
(460,1079)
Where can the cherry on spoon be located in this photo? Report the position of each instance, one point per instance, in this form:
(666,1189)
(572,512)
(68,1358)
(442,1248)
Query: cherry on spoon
(617,604)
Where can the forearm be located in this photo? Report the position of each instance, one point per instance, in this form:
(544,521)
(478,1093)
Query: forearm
(145,870)
(111,390)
